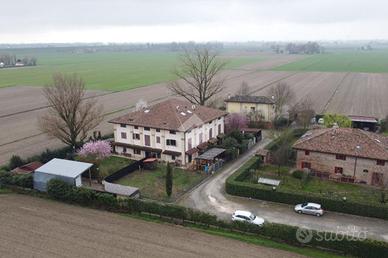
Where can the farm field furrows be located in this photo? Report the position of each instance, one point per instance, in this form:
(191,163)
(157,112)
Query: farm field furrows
(375,61)
(362,94)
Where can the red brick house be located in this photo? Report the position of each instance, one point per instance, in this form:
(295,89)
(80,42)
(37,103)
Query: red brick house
(344,154)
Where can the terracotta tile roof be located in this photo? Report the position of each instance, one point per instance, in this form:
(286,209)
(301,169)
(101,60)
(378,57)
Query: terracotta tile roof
(27,168)
(172,114)
(250,99)
(345,141)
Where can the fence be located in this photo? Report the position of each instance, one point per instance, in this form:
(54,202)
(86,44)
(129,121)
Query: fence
(111,187)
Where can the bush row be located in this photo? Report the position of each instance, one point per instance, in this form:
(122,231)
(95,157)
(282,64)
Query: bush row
(25,181)
(62,191)
(235,186)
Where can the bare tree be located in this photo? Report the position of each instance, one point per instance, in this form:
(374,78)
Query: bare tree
(244,89)
(282,95)
(70,117)
(198,72)
(303,112)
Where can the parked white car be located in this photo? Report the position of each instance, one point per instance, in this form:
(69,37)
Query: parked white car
(247,216)
(309,208)
(321,121)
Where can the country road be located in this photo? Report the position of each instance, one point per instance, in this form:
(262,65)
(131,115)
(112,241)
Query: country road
(211,197)
(34,227)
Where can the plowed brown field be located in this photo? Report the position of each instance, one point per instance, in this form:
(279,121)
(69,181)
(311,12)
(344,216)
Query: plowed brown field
(339,92)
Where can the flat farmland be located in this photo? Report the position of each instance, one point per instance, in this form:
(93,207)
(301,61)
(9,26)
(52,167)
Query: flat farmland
(338,92)
(113,71)
(34,227)
(375,61)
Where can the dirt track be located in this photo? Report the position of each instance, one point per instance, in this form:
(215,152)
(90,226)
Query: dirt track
(33,227)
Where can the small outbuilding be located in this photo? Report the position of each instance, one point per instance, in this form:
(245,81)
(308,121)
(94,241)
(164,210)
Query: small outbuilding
(66,170)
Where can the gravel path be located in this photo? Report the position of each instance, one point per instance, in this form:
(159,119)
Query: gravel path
(211,197)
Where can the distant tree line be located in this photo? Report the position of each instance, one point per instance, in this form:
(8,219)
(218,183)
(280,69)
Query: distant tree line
(9,60)
(167,47)
(308,48)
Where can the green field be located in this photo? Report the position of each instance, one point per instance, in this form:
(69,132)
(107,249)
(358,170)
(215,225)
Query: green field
(101,70)
(345,61)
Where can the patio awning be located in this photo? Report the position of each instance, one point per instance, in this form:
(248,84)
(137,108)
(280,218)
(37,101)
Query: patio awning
(211,154)
(172,153)
(137,147)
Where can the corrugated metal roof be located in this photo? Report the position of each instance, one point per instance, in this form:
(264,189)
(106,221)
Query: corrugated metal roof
(65,168)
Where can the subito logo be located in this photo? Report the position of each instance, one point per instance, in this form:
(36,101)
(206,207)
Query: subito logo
(304,235)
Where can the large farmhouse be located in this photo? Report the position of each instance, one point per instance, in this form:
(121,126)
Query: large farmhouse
(260,105)
(345,154)
(170,130)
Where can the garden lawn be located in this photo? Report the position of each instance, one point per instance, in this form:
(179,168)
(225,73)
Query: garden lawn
(317,187)
(152,183)
(112,164)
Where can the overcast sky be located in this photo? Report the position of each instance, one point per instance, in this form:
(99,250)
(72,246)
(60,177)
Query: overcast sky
(30,21)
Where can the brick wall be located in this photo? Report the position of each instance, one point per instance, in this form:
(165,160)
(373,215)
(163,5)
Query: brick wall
(327,162)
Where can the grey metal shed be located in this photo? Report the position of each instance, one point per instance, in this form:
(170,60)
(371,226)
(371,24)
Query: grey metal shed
(66,170)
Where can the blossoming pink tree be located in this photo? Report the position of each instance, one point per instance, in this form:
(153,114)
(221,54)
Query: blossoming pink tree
(95,149)
(235,121)
(94,152)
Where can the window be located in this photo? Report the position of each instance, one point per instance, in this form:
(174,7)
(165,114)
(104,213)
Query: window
(123,135)
(123,125)
(172,132)
(340,156)
(380,162)
(173,157)
(200,138)
(158,130)
(136,136)
(338,170)
(136,127)
(146,128)
(137,152)
(253,109)
(124,150)
(306,165)
(365,171)
(170,142)
(210,133)
(147,140)
(157,139)
(219,129)
(189,144)
(306,152)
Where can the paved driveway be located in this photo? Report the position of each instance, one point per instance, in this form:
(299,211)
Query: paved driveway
(211,197)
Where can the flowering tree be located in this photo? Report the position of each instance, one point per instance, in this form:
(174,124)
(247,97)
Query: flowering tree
(95,149)
(236,121)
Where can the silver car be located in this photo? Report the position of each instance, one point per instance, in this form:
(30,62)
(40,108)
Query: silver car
(249,217)
(309,208)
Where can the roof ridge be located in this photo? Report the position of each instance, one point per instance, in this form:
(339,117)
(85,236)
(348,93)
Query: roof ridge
(374,140)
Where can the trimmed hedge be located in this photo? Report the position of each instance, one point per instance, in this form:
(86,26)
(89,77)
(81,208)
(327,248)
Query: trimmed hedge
(235,186)
(62,191)
(25,181)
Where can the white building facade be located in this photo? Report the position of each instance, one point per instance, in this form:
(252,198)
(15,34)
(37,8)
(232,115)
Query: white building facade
(178,142)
